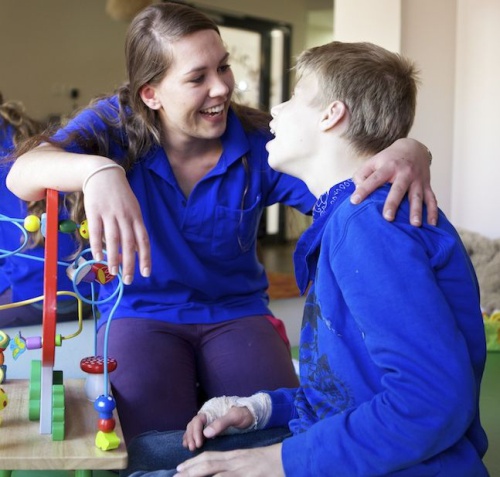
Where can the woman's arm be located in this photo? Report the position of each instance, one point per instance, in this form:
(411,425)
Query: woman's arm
(406,164)
(49,167)
(114,217)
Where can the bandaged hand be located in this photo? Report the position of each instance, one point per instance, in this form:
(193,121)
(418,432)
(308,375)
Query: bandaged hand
(227,415)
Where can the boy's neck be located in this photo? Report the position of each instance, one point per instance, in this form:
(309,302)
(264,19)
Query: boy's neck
(332,165)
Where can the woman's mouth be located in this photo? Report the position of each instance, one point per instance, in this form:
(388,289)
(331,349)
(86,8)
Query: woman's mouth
(214,111)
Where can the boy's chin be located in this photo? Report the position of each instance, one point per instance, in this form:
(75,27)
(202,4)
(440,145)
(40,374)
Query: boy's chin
(275,163)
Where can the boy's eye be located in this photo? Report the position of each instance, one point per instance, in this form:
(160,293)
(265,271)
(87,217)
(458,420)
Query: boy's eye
(224,68)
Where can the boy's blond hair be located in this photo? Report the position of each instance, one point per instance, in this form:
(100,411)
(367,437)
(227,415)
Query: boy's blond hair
(378,87)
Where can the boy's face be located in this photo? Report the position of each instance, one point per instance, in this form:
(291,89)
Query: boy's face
(295,125)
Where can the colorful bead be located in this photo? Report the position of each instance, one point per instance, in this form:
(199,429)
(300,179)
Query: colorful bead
(43,224)
(32,223)
(83,269)
(105,406)
(67,226)
(102,274)
(107,440)
(106,425)
(84,229)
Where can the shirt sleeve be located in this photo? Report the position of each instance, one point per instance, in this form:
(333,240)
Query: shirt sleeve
(93,129)
(283,408)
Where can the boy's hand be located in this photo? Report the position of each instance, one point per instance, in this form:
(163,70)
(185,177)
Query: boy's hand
(405,164)
(202,426)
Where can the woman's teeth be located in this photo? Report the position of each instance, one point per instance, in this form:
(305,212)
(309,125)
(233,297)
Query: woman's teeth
(214,110)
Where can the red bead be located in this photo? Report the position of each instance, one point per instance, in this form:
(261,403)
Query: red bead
(106,425)
(102,274)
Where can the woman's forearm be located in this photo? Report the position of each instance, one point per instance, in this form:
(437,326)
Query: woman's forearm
(49,167)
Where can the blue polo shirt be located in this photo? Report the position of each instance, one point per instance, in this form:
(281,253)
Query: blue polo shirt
(24,275)
(204,262)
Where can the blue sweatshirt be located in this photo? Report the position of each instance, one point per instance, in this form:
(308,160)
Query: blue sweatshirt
(392,348)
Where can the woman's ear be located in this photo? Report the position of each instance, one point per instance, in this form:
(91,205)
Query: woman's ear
(148,96)
(333,115)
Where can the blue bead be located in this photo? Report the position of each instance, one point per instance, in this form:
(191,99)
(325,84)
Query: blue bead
(105,406)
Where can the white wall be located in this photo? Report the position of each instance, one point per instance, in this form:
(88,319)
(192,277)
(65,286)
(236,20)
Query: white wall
(454,42)
(435,53)
(365,20)
(476,166)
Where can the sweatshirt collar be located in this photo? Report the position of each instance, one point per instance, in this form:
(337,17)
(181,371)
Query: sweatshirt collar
(307,250)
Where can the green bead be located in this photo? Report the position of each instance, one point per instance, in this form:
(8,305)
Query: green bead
(67,226)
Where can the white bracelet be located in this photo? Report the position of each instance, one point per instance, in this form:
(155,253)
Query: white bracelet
(99,169)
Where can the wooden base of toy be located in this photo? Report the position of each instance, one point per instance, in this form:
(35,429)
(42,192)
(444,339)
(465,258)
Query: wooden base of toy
(23,447)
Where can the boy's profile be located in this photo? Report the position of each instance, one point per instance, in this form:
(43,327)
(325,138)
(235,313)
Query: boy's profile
(392,345)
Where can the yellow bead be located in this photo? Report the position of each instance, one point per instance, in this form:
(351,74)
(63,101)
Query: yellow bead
(84,229)
(32,223)
(107,440)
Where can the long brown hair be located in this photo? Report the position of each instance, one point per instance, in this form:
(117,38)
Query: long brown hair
(16,122)
(13,114)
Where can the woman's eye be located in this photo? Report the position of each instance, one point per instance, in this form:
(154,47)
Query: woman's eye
(224,68)
(198,79)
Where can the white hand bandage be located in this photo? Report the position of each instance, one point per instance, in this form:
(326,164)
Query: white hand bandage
(259,406)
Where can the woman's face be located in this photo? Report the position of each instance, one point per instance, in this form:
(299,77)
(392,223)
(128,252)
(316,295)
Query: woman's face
(194,96)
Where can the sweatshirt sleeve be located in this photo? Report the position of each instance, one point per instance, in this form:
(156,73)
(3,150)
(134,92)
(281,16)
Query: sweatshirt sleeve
(283,408)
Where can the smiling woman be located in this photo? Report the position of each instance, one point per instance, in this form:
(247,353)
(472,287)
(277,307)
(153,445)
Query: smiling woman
(198,162)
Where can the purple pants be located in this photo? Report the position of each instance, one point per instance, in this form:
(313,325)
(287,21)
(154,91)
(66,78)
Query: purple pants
(166,370)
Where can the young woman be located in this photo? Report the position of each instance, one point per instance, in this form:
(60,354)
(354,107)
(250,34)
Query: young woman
(194,318)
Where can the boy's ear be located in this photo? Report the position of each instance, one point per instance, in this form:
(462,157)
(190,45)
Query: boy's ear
(333,115)
(148,96)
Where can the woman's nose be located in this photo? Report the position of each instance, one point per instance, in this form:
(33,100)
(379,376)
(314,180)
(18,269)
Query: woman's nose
(219,87)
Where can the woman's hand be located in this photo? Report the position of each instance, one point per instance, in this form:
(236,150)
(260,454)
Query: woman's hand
(258,462)
(112,210)
(405,164)
(115,222)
